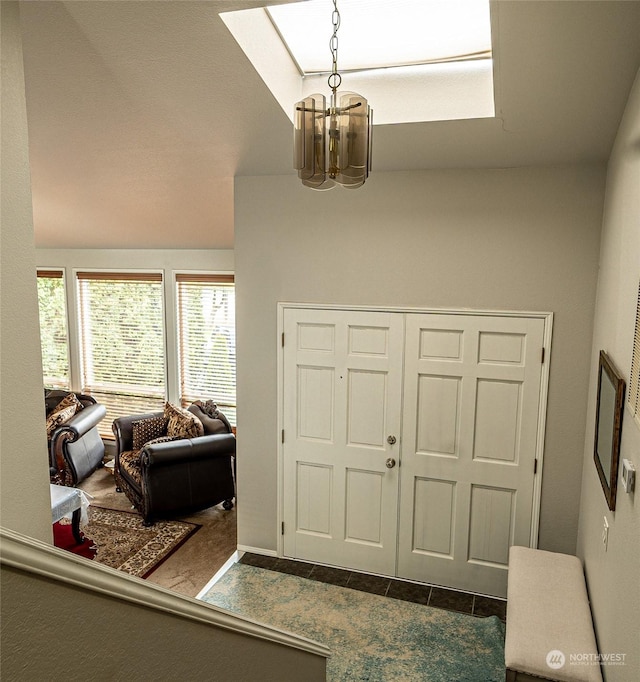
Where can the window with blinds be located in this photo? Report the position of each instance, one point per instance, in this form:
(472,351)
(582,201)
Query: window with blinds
(207,340)
(634,382)
(54,339)
(122,342)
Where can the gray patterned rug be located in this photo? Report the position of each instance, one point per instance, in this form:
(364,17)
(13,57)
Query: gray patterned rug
(123,542)
(372,638)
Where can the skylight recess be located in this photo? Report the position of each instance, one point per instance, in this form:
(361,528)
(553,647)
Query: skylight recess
(414,60)
(377,34)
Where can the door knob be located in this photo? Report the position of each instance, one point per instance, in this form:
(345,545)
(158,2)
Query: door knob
(390,463)
(391,440)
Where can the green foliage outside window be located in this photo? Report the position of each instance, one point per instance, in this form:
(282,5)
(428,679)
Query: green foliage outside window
(207,344)
(123,339)
(53,332)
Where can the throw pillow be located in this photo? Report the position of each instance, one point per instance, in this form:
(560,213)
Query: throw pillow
(70,399)
(58,417)
(212,419)
(209,408)
(182,423)
(144,430)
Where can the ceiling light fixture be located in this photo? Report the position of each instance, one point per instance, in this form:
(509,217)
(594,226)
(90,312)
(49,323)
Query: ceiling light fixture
(339,152)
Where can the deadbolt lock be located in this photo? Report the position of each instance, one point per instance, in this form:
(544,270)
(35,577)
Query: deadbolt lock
(391,440)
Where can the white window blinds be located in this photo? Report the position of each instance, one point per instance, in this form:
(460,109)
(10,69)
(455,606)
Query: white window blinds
(122,342)
(207,340)
(54,339)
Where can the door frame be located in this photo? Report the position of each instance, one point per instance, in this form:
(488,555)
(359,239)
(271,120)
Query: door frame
(547,317)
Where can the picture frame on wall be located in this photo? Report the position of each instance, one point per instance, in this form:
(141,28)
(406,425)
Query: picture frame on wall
(609,409)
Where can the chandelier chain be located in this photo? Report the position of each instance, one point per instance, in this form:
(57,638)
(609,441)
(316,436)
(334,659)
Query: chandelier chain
(335,78)
(332,144)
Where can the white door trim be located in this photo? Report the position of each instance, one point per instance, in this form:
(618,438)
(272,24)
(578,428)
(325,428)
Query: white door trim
(543,394)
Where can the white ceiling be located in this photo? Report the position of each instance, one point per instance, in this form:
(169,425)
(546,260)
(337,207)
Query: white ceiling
(141,113)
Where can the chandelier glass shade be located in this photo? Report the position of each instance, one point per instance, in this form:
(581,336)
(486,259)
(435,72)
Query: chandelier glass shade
(333,144)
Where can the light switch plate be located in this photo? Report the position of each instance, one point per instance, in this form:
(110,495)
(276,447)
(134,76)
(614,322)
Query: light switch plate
(628,475)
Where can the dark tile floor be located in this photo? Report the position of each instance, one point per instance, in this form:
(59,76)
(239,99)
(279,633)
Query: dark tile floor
(437,597)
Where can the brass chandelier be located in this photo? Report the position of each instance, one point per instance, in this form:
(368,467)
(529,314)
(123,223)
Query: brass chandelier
(333,145)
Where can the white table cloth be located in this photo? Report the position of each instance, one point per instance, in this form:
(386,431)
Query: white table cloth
(65,500)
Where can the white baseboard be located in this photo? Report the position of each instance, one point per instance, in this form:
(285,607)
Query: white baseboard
(233,559)
(258,550)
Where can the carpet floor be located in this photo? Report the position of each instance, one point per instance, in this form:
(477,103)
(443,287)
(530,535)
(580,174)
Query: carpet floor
(194,563)
(371,637)
(123,541)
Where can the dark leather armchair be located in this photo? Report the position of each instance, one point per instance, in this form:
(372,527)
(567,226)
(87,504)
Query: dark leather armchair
(176,476)
(75,447)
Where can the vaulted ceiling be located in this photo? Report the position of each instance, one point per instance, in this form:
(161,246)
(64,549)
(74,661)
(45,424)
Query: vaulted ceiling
(141,114)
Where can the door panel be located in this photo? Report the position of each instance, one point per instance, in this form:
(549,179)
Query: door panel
(498,416)
(491,528)
(338,413)
(434,520)
(471,392)
(364,522)
(315,403)
(367,402)
(314,498)
(438,415)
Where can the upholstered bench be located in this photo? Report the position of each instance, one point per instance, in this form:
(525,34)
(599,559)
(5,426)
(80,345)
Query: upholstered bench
(549,631)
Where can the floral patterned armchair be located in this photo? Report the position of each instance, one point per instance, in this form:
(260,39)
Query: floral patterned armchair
(173,462)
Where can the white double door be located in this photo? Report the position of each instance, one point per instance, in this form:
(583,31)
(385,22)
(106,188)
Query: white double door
(409,442)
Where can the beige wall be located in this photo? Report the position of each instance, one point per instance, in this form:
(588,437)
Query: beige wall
(613,575)
(24,498)
(57,632)
(516,239)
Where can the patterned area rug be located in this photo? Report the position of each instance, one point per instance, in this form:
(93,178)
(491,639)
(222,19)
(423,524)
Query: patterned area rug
(123,542)
(371,637)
